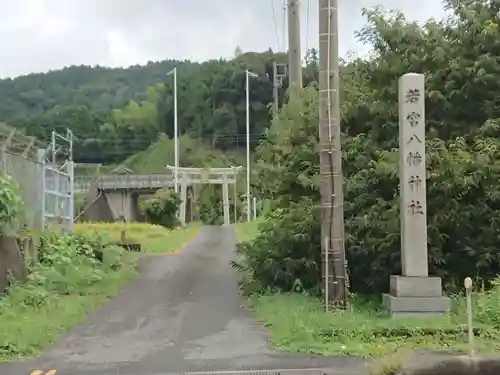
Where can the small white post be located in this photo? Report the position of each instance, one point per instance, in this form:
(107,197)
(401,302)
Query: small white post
(468,293)
(41,166)
(176,135)
(254,208)
(71,209)
(176,132)
(327,276)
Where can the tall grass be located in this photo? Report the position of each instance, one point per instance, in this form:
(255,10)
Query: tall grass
(152,238)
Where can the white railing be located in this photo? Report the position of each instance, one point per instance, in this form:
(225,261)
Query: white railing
(128,181)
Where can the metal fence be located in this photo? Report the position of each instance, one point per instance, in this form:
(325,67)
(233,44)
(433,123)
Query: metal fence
(58,183)
(58,199)
(46,189)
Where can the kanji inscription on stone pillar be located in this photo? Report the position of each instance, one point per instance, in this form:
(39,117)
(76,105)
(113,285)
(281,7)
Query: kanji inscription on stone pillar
(412,175)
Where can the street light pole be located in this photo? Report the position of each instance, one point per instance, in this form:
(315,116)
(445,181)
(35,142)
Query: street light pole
(248,75)
(176,133)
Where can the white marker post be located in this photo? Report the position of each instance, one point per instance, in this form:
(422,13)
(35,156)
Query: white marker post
(327,276)
(468,293)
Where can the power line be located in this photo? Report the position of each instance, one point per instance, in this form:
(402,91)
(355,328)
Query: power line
(141,138)
(276,30)
(204,141)
(285,40)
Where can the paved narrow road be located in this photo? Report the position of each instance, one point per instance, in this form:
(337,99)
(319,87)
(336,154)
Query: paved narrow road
(183,314)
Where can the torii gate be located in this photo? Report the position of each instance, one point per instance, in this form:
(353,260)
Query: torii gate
(217,176)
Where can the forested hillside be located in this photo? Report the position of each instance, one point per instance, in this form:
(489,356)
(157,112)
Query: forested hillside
(115,113)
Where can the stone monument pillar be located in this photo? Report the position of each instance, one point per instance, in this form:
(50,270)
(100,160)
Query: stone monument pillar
(414,292)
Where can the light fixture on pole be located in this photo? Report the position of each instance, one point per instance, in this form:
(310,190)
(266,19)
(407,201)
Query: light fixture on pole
(248,75)
(176,133)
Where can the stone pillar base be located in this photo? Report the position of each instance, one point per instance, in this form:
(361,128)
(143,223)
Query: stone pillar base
(416,296)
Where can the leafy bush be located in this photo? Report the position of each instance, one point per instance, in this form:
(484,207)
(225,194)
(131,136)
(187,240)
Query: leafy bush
(11,205)
(279,257)
(162,208)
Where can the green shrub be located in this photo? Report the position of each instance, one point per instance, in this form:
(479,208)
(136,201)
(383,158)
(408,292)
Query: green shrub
(279,257)
(11,205)
(162,208)
(113,257)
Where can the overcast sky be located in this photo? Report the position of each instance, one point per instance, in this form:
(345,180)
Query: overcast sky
(39,35)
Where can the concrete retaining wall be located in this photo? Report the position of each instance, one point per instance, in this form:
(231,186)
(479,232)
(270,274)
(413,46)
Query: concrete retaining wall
(28,175)
(459,366)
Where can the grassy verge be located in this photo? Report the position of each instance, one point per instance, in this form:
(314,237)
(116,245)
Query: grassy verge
(26,330)
(69,282)
(247,231)
(298,323)
(153,238)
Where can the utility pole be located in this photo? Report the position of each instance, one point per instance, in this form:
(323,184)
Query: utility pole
(176,133)
(279,72)
(275,90)
(294,54)
(248,74)
(332,206)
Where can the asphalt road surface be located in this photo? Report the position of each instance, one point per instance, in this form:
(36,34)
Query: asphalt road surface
(183,314)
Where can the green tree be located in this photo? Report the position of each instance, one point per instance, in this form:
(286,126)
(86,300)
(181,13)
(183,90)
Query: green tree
(162,208)
(460,59)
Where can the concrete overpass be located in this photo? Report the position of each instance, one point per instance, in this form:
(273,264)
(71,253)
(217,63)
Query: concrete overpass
(124,181)
(116,196)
